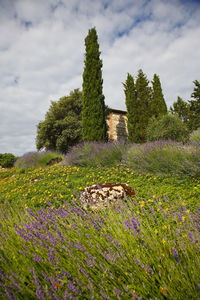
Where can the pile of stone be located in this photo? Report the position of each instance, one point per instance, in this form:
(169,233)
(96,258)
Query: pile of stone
(105,194)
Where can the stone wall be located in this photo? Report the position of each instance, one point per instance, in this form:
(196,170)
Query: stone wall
(117,125)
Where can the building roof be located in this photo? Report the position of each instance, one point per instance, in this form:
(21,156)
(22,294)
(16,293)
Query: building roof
(117,111)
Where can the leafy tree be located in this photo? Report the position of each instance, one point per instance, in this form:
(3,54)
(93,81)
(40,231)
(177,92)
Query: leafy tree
(93,113)
(158,105)
(143,92)
(194,114)
(131,105)
(181,108)
(7,160)
(61,128)
(167,127)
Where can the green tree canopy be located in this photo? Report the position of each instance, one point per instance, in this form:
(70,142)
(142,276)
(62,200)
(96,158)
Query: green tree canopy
(143,92)
(167,127)
(158,105)
(94,126)
(131,106)
(181,108)
(194,115)
(61,128)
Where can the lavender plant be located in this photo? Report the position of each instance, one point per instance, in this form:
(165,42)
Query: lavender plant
(95,154)
(165,157)
(36,159)
(130,251)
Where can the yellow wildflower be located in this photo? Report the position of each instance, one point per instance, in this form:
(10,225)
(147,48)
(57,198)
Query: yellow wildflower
(163,291)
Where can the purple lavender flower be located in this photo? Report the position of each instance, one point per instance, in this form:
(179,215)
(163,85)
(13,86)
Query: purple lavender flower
(149,270)
(51,256)
(79,246)
(37,258)
(119,292)
(9,295)
(82,270)
(66,274)
(116,243)
(175,254)
(39,292)
(134,224)
(72,287)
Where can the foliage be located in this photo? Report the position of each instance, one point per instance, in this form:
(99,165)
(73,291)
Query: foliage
(37,159)
(195,137)
(181,108)
(61,128)
(147,247)
(93,113)
(167,127)
(164,157)
(189,112)
(194,116)
(158,105)
(7,160)
(98,154)
(143,106)
(131,106)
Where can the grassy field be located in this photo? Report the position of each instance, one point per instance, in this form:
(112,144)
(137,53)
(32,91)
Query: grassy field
(144,248)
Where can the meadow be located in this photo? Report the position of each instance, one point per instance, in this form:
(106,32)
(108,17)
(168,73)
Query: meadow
(146,247)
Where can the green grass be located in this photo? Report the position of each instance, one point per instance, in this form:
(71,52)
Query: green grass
(155,257)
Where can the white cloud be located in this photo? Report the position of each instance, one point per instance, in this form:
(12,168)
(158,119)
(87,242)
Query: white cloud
(42,53)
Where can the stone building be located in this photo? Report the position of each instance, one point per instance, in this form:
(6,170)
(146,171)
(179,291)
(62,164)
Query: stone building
(117,125)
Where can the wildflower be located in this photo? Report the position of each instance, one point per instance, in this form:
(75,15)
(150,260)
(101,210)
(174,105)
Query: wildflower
(141,203)
(175,253)
(150,200)
(119,292)
(183,218)
(163,291)
(72,287)
(134,224)
(57,285)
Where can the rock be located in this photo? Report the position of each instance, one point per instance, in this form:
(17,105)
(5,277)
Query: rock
(105,194)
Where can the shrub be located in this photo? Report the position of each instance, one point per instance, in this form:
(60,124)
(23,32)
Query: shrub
(167,127)
(195,137)
(7,160)
(37,159)
(166,157)
(95,154)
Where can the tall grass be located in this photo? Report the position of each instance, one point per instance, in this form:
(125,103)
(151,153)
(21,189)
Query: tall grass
(131,251)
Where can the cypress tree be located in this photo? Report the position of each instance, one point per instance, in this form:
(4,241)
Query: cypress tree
(131,106)
(194,107)
(181,108)
(158,105)
(93,108)
(143,106)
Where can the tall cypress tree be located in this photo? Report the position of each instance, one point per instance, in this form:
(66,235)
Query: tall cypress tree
(143,106)
(93,111)
(158,105)
(182,109)
(131,106)
(194,107)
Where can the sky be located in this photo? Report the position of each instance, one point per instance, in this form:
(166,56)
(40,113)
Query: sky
(42,54)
